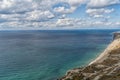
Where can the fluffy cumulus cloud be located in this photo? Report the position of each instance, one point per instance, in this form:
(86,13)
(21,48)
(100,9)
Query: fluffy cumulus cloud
(50,14)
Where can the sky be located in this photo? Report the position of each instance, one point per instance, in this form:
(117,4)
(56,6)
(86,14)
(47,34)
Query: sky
(59,14)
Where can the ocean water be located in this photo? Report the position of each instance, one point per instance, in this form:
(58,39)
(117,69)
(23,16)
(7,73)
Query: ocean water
(47,55)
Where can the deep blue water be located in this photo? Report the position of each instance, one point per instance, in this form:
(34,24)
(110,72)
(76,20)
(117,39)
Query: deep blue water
(47,55)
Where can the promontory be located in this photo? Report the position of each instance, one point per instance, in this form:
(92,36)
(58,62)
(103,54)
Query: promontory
(104,67)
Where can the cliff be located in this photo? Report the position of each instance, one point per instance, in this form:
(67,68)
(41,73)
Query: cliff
(105,67)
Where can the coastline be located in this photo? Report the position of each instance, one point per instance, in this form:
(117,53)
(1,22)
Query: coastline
(105,54)
(105,67)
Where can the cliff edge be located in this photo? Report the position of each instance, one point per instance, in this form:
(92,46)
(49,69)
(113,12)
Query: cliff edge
(105,67)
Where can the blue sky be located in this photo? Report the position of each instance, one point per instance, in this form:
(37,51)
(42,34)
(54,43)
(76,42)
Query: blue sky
(59,14)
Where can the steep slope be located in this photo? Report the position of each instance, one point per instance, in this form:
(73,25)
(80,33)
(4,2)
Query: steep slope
(105,67)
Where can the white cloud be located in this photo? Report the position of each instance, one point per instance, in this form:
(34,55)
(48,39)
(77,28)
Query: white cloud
(13,6)
(73,4)
(44,13)
(98,12)
(59,9)
(102,3)
(6,4)
(63,10)
(39,15)
(98,16)
(76,2)
(117,23)
(64,22)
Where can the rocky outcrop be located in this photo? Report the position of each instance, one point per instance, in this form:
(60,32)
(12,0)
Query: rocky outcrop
(116,35)
(105,67)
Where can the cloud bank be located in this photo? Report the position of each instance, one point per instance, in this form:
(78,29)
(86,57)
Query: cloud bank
(53,14)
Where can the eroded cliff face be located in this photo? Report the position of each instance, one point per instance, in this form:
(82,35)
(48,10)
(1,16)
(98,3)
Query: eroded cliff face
(105,67)
(116,35)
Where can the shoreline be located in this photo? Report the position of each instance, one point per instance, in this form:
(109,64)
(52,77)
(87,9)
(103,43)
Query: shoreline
(109,48)
(102,56)
(103,67)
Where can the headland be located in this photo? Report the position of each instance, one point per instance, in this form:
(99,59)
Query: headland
(105,67)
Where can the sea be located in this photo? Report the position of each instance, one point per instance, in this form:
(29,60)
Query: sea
(48,54)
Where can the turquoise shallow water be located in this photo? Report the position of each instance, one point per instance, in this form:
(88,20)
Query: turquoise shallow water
(47,55)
